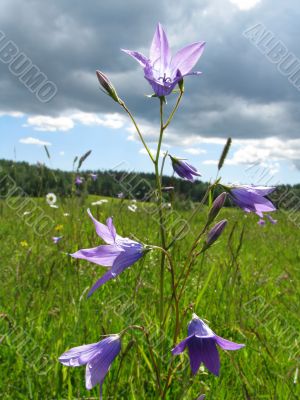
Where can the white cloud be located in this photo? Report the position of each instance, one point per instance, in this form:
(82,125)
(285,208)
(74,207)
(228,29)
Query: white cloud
(194,151)
(265,150)
(35,141)
(265,154)
(50,124)
(114,120)
(62,153)
(14,114)
(67,121)
(245,4)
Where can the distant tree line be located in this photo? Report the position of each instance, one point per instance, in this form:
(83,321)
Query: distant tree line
(38,180)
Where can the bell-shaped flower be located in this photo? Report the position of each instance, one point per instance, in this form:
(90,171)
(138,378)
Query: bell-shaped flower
(163,71)
(118,254)
(183,169)
(252,198)
(97,357)
(202,345)
(78,180)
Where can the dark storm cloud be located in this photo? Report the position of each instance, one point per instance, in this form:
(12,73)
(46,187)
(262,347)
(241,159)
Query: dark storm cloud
(240,93)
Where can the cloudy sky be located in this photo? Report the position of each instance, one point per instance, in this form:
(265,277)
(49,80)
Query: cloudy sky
(249,88)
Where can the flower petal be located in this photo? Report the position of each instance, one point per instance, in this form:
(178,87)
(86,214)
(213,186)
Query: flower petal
(98,367)
(123,261)
(192,169)
(127,258)
(227,344)
(104,278)
(161,89)
(79,355)
(249,201)
(204,350)
(185,59)
(210,356)
(111,227)
(160,55)
(195,354)
(102,255)
(140,58)
(199,328)
(259,190)
(181,346)
(102,230)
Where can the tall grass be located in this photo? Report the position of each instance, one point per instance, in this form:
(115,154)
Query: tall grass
(247,287)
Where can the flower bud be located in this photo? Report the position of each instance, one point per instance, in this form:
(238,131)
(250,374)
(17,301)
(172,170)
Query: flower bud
(216,206)
(214,233)
(108,87)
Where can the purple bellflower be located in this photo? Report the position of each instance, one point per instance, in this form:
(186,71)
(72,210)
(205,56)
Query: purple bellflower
(56,239)
(97,357)
(183,169)
(252,198)
(261,222)
(163,71)
(202,345)
(78,180)
(94,177)
(118,254)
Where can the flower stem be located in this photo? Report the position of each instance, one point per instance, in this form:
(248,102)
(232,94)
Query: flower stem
(174,294)
(174,109)
(138,131)
(161,217)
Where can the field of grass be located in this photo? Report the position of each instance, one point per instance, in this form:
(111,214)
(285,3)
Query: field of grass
(247,288)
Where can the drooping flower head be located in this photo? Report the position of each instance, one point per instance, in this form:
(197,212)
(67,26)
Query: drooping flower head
(118,254)
(261,222)
(78,180)
(97,357)
(183,169)
(56,239)
(202,346)
(94,177)
(163,71)
(252,198)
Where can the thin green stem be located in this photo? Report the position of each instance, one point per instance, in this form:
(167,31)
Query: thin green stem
(163,163)
(138,131)
(187,266)
(161,217)
(174,110)
(154,363)
(174,294)
(197,209)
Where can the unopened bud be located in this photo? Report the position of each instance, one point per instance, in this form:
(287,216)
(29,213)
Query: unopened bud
(108,87)
(214,233)
(216,206)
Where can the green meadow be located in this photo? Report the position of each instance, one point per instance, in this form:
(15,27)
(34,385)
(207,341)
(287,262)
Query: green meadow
(246,287)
